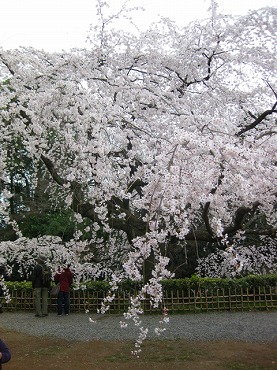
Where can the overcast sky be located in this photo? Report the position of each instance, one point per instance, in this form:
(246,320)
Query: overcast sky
(63,24)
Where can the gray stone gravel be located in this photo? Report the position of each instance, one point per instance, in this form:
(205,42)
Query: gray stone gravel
(241,326)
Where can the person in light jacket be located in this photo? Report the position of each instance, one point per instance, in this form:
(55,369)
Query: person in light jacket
(65,278)
(5,354)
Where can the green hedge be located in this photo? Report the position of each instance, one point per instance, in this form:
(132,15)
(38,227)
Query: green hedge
(194,283)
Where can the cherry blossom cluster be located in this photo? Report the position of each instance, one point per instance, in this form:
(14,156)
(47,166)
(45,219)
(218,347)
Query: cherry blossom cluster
(239,260)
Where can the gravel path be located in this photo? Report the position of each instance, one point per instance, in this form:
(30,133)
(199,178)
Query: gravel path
(242,326)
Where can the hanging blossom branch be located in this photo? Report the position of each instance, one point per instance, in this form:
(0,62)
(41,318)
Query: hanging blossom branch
(151,291)
(5,290)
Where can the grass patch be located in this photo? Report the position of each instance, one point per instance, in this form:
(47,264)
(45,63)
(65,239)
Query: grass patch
(120,357)
(161,352)
(48,351)
(241,366)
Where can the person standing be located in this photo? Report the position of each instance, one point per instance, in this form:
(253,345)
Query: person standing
(41,283)
(5,354)
(65,278)
(3,276)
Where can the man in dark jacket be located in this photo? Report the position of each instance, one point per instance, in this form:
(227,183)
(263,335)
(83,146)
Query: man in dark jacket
(41,285)
(5,354)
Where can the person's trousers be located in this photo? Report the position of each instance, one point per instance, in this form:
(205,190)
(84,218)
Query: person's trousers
(41,301)
(63,298)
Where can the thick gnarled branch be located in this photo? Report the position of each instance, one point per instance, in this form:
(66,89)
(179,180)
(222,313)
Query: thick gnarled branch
(258,120)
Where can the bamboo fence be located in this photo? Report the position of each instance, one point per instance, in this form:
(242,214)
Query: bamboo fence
(179,301)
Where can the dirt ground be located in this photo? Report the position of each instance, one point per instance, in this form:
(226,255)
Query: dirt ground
(44,353)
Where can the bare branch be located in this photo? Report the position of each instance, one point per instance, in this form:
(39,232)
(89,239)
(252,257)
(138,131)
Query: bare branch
(258,120)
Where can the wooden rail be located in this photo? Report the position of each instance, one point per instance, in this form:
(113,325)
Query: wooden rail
(181,301)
